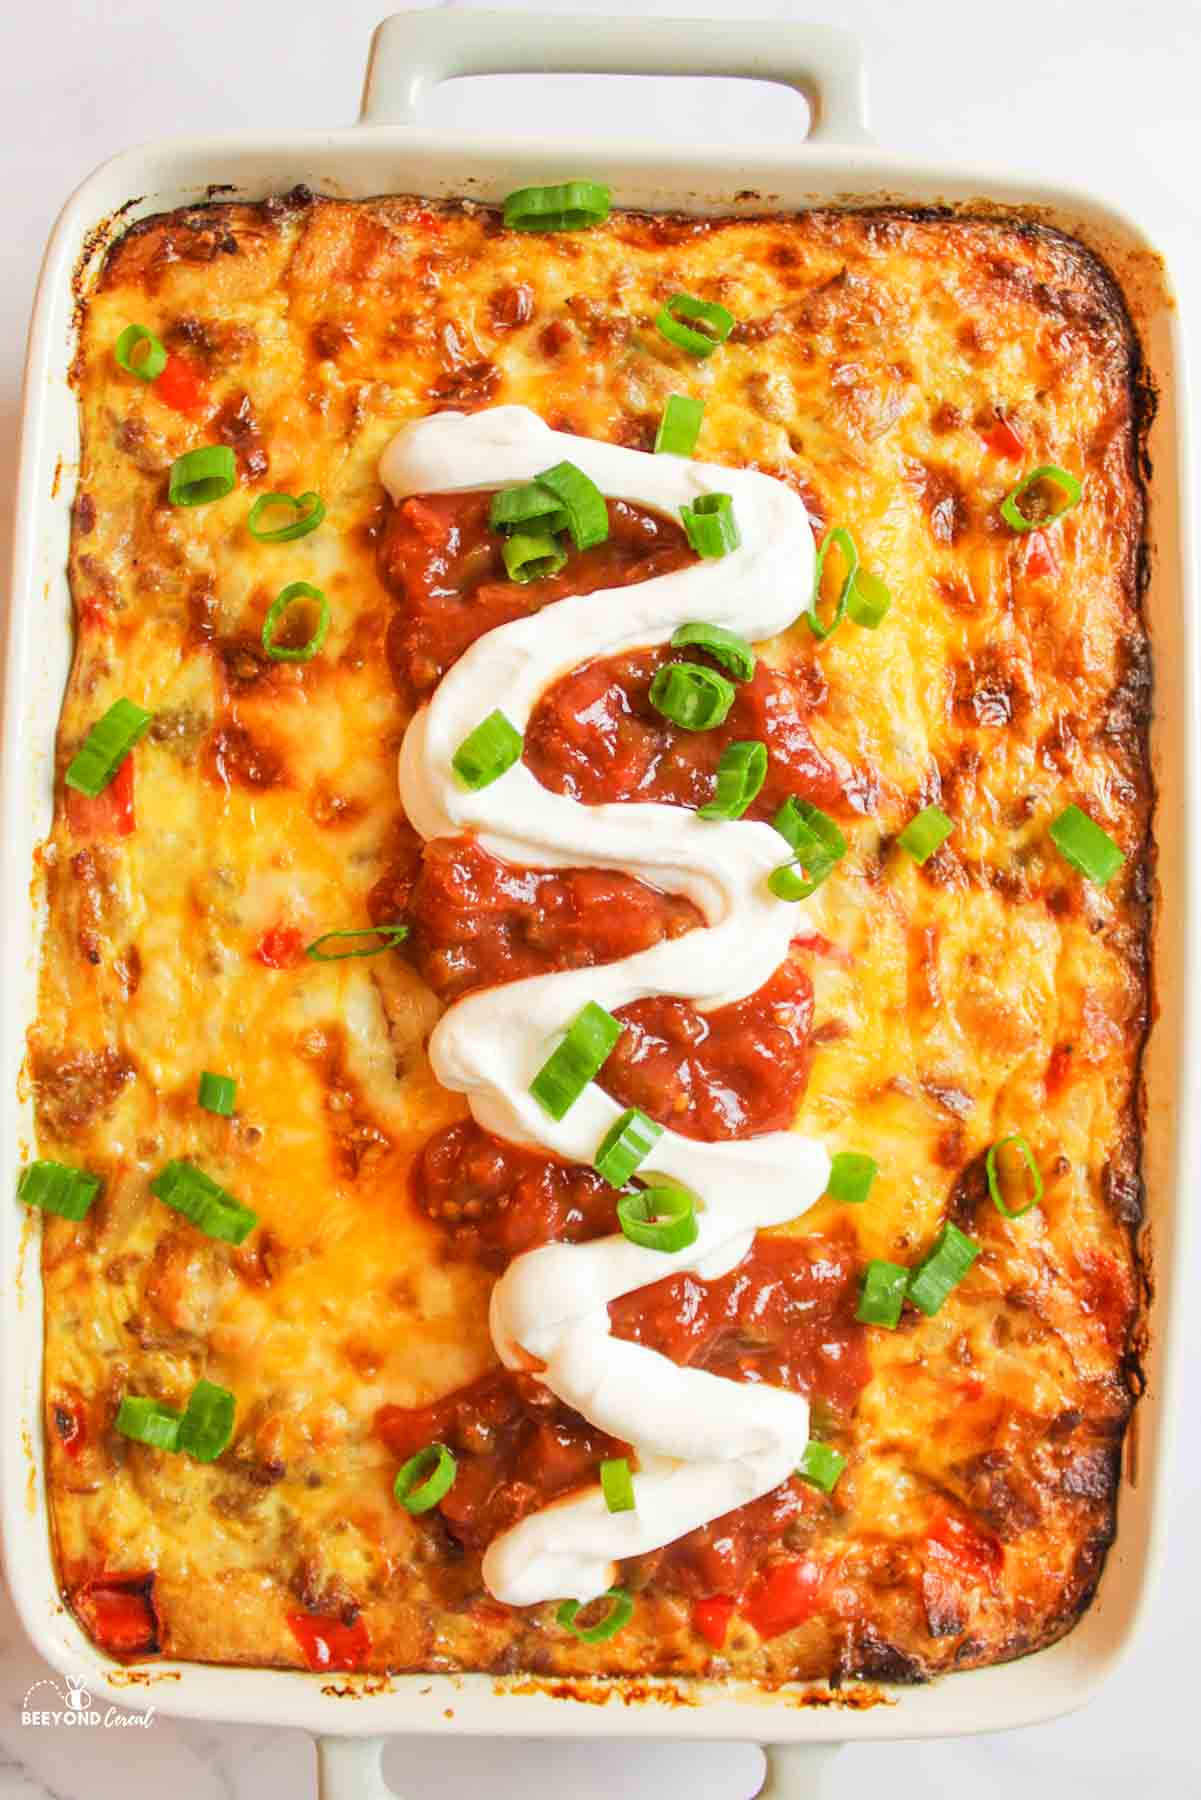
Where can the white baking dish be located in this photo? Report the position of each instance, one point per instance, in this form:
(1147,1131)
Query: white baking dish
(387,152)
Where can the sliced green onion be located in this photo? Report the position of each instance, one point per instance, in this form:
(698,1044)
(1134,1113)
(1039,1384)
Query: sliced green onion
(577,1060)
(567,206)
(617,1484)
(1068,485)
(530,556)
(668,323)
(425,1479)
(189,1191)
(148,367)
(680,426)
(711,526)
(691,696)
(581,500)
(309,510)
(868,600)
(1086,846)
(106,746)
(216,1093)
(208,1421)
(147,1422)
(288,596)
(818,843)
(389,935)
(627,1143)
(923,834)
(621,1611)
(725,647)
(56,1187)
(942,1269)
(530,507)
(840,536)
(994,1178)
(740,775)
(820,1465)
(199,476)
(885,1285)
(659,1216)
(488,752)
(851,1177)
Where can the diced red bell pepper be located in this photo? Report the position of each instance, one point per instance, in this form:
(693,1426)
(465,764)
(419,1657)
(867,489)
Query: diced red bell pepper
(329,1644)
(711,1618)
(181,384)
(1003,440)
(118,1612)
(973,1553)
(280,947)
(1040,558)
(107,814)
(70,1421)
(785,1596)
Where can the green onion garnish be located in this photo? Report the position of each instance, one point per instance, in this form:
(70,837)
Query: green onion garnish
(148,1422)
(425,1479)
(868,600)
(531,556)
(208,1421)
(106,746)
(621,1611)
(389,937)
(994,1179)
(488,752)
(942,1269)
(820,1465)
(885,1285)
(617,1484)
(627,1143)
(839,535)
(740,775)
(711,526)
(56,1187)
(567,206)
(726,647)
(148,367)
(577,1060)
(668,323)
(581,500)
(216,1093)
(818,843)
(680,426)
(851,1177)
(923,834)
(691,696)
(530,507)
(309,510)
(199,476)
(1068,485)
(1086,846)
(188,1190)
(288,596)
(659,1216)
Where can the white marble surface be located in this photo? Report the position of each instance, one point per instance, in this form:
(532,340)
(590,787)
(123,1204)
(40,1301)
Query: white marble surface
(1105,93)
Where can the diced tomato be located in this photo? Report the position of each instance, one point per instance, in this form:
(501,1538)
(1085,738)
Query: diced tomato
(329,1644)
(181,384)
(973,1553)
(118,1612)
(107,814)
(711,1618)
(785,1596)
(92,611)
(1040,558)
(1003,440)
(280,947)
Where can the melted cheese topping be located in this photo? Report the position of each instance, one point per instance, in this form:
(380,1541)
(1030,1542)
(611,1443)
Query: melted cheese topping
(710,1447)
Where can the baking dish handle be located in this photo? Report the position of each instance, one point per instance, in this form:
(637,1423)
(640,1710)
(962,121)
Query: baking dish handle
(348,1768)
(797,1771)
(412,52)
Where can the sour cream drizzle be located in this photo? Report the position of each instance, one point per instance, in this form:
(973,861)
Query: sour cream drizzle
(704,1444)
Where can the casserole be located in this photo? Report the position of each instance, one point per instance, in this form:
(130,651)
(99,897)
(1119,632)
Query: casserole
(774,185)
